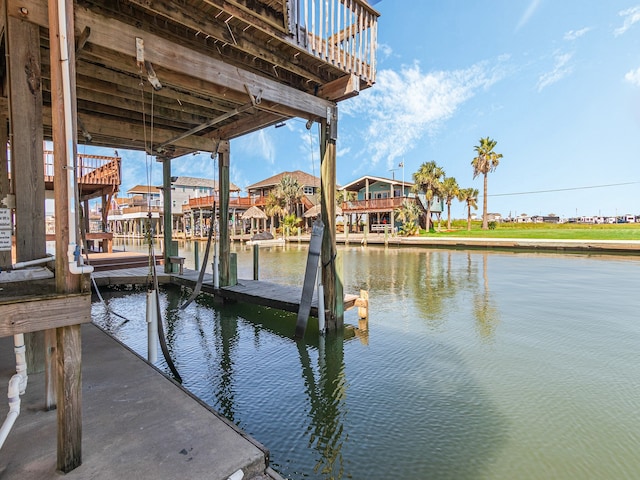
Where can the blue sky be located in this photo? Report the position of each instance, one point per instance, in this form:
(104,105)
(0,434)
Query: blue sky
(555,83)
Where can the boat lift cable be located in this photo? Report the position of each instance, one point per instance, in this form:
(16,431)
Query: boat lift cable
(161,337)
(198,286)
(152,257)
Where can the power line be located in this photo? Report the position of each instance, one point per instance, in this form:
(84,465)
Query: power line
(562,189)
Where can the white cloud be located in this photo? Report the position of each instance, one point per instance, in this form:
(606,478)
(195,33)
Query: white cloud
(404,106)
(573,34)
(528,13)
(561,69)
(633,77)
(260,144)
(631,16)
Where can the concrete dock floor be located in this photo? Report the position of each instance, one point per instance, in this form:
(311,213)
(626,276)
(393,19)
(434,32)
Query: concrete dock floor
(136,424)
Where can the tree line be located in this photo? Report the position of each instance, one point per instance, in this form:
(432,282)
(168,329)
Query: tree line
(431,181)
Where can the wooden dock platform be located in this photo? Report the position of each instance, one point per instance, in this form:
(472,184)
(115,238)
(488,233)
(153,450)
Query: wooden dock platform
(257,292)
(282,297)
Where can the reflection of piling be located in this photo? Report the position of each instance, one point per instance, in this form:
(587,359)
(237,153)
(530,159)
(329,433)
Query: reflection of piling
(362,303)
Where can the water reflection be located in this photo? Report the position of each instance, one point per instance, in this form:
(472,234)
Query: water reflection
(420,395)
(326,396)
(484,308)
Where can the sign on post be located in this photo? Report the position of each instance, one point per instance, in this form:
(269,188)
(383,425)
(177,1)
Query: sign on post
(5,230)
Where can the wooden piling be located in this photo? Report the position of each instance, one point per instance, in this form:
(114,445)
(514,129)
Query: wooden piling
(256,261)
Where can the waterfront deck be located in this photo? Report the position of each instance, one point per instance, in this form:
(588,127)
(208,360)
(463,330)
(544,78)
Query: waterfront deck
(257,292)
(136,423)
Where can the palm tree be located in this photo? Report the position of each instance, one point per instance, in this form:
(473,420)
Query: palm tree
(408,213)
(428,180)
(274,207)
(450,190)
(470,196)
(290,191)
(486,161)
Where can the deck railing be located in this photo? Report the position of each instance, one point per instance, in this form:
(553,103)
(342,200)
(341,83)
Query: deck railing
(341,32)
(91,169)
(234,202)
(375,204)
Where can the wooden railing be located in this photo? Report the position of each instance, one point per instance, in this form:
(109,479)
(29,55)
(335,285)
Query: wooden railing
(375,204)
(91,169)
(236,202)
(341,32)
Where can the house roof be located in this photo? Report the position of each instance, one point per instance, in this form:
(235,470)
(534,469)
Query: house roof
(304,179)
(360,183)
(143,189)
(201,182)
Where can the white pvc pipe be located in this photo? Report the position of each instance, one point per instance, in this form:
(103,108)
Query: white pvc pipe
(17,387)
(30,263)
(76,266)
(21,360)
(14,408)
(152,327)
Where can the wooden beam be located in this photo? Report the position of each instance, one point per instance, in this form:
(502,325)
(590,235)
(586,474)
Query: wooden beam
(120,37)
(341,89)
(69,397)
(103,127)
(38,314)
(63,147)
(223,187)
(333,303)
(23,41)
(226,34)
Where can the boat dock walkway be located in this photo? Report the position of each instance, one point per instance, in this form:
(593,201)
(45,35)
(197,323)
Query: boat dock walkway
(136,423)
(282,297)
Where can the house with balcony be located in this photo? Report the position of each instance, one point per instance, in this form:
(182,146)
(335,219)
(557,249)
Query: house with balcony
(192,201)
(371,203)
(310,184)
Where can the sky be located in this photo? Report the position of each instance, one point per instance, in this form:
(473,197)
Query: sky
(555,83)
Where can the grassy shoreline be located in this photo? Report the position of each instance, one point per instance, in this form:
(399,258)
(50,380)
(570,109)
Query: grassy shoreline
(565,231)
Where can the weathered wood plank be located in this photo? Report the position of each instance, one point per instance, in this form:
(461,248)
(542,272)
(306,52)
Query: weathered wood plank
(120,37)
(282,297)
(44,313)
(69,397)
(26,144)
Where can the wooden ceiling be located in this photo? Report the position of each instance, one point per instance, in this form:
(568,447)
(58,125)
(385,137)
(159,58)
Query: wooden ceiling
(223,68)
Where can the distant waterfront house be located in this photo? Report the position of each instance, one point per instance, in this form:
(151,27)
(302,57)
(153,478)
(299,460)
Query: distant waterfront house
(131,212)
(376,199)
(258,192)
(192,199)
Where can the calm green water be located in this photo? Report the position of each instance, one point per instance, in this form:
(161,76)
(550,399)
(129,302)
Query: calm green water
(474,366)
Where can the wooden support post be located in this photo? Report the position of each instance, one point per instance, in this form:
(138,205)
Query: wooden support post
(23,48)
(69,409)
(23,41)
(256,261)
(335,319)
(168,231)
(223,186)
(66,351)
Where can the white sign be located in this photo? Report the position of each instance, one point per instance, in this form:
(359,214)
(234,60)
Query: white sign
(5,240)
(5,218)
